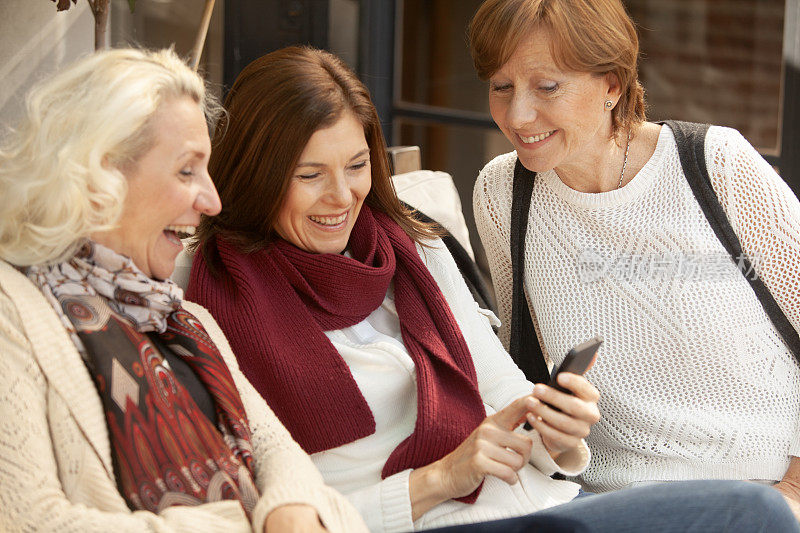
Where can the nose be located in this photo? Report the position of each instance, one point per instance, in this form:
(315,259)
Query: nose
(521,111)
(339,192)
(207,201)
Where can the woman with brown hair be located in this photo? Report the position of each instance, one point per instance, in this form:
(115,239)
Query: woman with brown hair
(353,322)
(634,232)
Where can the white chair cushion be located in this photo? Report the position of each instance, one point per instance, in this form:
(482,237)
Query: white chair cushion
(435,194)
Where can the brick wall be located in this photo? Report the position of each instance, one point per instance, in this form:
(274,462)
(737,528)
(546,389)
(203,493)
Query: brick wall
(716,61)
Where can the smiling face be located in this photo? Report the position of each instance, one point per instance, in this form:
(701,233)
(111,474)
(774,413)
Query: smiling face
(327,190)
(168,188)
(554,118)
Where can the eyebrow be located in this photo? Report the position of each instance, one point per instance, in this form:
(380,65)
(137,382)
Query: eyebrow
(311,164)
(198,153)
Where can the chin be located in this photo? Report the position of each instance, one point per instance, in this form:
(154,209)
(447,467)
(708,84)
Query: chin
(329,249)
(534,165)
(162,272)
(330,246)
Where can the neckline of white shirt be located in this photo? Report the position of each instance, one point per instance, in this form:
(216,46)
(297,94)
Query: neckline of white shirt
(629,192)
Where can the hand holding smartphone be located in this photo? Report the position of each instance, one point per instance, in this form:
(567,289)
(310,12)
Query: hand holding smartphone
(578,360)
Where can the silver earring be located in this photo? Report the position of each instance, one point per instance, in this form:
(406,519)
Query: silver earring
(609,104)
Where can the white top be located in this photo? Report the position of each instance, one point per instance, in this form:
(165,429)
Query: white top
(694,379)
(56,470)
(386,376)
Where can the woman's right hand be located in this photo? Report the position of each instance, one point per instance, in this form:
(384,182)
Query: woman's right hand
(493,448)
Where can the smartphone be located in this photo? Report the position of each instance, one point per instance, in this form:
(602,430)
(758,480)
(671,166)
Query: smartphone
(578,360)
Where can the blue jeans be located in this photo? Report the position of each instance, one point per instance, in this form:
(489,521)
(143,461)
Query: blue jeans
(686,506)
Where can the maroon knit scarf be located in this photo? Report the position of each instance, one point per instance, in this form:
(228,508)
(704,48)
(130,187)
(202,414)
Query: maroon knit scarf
(275,304)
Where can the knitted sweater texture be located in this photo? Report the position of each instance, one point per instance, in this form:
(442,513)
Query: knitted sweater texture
(57,473)
(695,381)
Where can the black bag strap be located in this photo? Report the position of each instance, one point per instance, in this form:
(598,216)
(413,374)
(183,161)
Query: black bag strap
(690,139)
(524,346)
(466,265)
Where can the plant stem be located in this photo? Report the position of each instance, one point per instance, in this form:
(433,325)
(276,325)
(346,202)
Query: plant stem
(202,31)
(100,10)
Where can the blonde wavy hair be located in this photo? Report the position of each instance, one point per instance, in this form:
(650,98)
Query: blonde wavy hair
(61,171)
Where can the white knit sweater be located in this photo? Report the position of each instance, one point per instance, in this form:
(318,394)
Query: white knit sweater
(55,456)
(695,380)
(385,374)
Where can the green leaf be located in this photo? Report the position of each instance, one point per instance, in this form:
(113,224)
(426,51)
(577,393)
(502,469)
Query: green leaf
(132,4)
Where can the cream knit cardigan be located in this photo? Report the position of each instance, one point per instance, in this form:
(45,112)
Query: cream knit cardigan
(55,457)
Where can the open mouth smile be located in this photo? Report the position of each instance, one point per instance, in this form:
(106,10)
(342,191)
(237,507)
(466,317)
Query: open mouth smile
(536,138)
(175,232)
(329,222)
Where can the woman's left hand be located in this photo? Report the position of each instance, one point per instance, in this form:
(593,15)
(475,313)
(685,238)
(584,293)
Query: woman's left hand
(562,431)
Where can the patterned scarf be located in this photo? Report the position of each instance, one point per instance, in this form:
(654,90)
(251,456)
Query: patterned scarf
(274,306)
(164,449)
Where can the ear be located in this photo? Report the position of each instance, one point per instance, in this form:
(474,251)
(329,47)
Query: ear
(613,86)
(111,166)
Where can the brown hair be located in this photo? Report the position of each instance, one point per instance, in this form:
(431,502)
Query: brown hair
(274,107)
(595,36)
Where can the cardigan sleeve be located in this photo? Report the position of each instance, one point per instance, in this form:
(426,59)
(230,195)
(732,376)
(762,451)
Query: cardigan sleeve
(284,472)
(500,381)
(765,215)
(386,505)
(32,497)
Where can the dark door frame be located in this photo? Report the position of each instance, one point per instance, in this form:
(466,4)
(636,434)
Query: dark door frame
(256,27)
(376,62)
(789,160)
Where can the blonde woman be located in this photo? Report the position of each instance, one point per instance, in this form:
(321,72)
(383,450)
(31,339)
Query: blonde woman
(121,408)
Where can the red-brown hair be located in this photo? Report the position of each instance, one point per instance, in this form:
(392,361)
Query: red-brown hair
(274,107)
(595,36)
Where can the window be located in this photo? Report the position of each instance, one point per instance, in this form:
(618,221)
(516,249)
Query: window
(726,62)
(164,23)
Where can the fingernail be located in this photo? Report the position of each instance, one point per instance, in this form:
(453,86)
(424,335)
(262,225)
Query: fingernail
(538,389)
(564,379)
